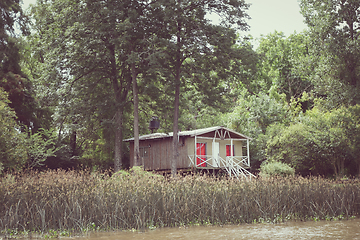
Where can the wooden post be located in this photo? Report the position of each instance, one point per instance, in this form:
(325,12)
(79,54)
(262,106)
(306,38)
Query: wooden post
(248,151)
(231,153)
(214,158)
(195,158)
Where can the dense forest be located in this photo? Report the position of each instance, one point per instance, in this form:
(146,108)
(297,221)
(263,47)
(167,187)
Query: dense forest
(79,76)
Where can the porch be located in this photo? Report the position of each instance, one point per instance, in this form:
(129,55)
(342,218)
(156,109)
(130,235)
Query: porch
(229,151)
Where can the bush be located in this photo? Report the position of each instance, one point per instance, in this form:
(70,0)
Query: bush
(274,168)
(320,143)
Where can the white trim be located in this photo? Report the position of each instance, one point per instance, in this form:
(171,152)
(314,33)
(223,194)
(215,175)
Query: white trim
(221,131)
(195,147)
(209,138)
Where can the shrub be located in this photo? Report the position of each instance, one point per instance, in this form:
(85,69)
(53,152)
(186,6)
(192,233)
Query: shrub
(320,143)
(275,168)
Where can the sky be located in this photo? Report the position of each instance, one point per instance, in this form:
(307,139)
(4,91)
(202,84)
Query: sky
(270,15)
(266,16)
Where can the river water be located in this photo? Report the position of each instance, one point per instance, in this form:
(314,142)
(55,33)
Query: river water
(346,229)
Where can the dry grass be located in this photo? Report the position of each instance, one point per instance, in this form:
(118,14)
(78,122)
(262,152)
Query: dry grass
(77,201)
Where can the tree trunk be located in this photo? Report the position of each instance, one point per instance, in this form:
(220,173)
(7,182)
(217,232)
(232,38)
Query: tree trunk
(175,131)
(73,143)
(120,98)
(118,140)
(175,142)
(137,159)
(335,169)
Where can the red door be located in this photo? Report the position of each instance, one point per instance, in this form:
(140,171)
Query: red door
(228,150)
(201,154)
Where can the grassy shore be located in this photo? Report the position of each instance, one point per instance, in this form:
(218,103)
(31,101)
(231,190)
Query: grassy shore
(61,203)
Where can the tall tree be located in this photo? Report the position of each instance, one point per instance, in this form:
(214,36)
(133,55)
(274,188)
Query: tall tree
(335,31)
(193,48)
(280,66)
(12,79)
(142,25)
(84,60)
(111,58)
(10,15)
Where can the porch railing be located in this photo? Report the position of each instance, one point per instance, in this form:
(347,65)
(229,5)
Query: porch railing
(234,165)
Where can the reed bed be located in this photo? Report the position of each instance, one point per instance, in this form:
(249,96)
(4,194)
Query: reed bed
(78,201)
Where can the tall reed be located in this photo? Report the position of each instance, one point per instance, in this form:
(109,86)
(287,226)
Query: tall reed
(82,200)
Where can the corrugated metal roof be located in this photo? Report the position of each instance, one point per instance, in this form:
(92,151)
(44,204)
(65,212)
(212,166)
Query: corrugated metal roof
(191,133)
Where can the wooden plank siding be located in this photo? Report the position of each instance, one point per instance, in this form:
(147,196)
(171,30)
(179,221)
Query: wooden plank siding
(160,154)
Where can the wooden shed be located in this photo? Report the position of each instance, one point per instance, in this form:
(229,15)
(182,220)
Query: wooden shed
(207,148)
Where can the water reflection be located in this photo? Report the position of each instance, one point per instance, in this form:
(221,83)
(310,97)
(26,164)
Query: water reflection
(349,229)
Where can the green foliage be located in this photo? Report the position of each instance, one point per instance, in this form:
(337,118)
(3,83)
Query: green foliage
(136,173)
(322,142)
(86,76)
(279,66)
(41,146)
(10,15)
(334,32)
(21,96)
(332,136)
(274,168)
(196,112)
(86,49)
(293,145)
(19,149)
(253,115)
(12,79)
(13,152)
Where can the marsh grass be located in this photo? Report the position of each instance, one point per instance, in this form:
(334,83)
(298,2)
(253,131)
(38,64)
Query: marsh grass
(62,202)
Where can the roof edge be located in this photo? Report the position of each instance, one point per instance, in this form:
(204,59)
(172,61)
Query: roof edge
(191,133)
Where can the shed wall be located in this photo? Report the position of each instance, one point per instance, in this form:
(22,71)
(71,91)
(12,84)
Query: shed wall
(160,154)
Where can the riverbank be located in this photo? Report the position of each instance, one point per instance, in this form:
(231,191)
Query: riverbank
(63,203)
